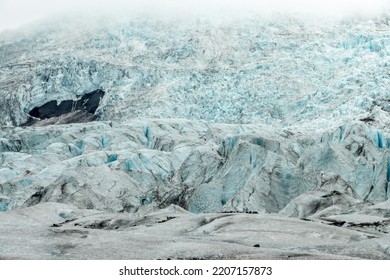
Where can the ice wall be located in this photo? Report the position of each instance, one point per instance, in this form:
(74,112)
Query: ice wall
(307,104)
(199,166)
(283,72)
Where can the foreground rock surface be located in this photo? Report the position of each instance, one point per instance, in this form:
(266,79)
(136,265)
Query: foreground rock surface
(59,231)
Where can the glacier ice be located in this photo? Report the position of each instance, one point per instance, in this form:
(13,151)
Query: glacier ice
(203,167)
(287,119)
(283,72)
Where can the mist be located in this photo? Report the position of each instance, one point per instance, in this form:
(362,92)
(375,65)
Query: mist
(14,13)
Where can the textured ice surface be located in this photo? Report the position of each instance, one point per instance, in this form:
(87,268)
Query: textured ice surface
(202,167)
(283,72)
(221,119)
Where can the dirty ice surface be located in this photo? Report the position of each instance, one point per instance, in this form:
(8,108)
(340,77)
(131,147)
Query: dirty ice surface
(241,139)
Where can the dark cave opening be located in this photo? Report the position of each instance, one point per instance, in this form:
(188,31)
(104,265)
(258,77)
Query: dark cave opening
(81,110)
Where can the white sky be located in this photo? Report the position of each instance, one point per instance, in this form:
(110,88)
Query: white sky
(14,13)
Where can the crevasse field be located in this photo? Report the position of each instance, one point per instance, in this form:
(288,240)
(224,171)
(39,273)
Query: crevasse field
(152,138)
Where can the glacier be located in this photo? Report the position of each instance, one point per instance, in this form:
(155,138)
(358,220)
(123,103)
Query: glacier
(282,72)
(209,131)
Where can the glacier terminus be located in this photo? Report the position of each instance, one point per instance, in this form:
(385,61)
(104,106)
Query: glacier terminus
(155,138)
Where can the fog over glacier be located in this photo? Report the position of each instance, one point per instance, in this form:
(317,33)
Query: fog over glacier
(240,130)
(14,13)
